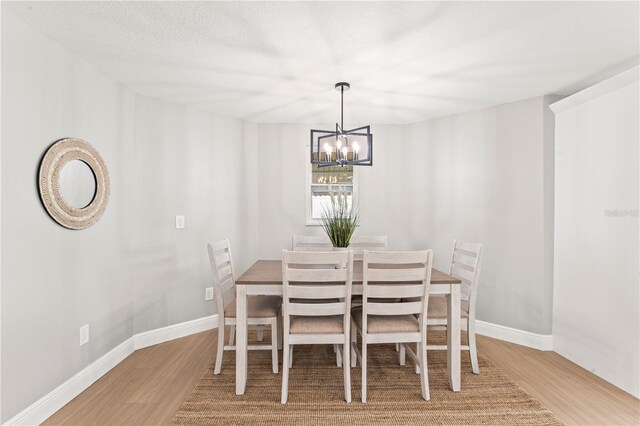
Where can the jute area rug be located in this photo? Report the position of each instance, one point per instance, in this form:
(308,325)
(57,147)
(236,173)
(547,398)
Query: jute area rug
(316,395)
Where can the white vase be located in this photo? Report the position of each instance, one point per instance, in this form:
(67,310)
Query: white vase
(342,265)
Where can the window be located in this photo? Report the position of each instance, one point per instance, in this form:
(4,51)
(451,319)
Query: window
(325,182)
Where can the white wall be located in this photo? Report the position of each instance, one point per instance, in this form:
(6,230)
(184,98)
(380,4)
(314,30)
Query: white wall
(596,312)
(132,271)
(484,180)
(55,280)
(478,176)
(186,163)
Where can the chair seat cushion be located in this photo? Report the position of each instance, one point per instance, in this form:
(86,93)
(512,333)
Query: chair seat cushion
(386,323)
(317,325)
(438,308)
(257,307)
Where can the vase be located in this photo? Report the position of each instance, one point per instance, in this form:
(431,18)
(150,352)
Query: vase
(342,265)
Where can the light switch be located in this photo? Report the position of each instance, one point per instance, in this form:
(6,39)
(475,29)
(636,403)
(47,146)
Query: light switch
(84,334)
(179,222)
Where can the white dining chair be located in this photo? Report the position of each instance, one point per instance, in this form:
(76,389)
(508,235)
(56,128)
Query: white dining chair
(386,275)
(261,310)
(372,243)
(312,243)
(466,263)
(358,244)
(306,278)
(315,243)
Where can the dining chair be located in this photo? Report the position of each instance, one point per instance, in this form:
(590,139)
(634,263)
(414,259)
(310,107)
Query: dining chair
(393,274)
(466,263)
(372,243)
(261,310)
(307,278)
(361,243)
(312,243)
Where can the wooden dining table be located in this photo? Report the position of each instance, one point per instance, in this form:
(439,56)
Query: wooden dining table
(264,278)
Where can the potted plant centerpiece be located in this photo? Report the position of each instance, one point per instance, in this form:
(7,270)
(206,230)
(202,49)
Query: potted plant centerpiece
(339,221)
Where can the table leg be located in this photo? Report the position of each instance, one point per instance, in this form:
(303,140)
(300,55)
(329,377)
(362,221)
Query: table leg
(241,339)
(453,337)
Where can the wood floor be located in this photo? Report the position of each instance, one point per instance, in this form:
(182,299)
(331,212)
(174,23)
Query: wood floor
(149,386)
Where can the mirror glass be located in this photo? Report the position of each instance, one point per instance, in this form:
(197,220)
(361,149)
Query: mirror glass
(77,184)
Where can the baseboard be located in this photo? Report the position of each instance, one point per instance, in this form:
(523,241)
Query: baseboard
(60,396)
(176,331)
(56,399)
(543,342)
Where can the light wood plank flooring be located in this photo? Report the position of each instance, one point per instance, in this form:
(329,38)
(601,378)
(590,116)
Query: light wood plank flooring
(149,386)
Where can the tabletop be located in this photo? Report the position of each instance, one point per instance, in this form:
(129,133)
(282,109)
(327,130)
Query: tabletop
(269,272)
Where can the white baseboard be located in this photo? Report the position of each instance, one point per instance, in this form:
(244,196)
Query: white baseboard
(60,396)
(543,342)
(176,331)
(46,406)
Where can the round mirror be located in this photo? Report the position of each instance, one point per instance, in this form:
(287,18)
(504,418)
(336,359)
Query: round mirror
(74,183)
(77,184)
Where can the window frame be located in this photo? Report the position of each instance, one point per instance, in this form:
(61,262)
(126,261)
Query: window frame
(310,221)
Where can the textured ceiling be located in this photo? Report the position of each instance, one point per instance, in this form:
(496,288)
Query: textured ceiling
(278,62)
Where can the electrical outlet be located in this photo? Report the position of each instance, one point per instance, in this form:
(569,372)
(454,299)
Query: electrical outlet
(208,293)
(84,334)
(180,222)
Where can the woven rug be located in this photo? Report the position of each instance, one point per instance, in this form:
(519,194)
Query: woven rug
(316,395)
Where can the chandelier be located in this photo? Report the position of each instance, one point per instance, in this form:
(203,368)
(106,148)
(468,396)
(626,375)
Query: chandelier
(342,147)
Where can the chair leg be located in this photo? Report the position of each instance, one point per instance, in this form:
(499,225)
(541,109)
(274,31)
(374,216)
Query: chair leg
(401,354)
(285,371)
(417,354)
(364,369)
(260,333)
(397,347)
(280,331)
(339,356)
(232,335)
(473,352)
(354,340)
(346,363)
(220,350)
(290,356)
(424,376)
(274,344)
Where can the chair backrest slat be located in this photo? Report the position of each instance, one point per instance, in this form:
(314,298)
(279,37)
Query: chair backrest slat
(372,243)
(394,291)
(463,259)
(316,276)
(394,308)
(311,243)
(395,274)
(460,272)
(224,278)
(468,247)
(466,262)
(317,291)
(316,309)
(382,273)
(358,244)
(320,275)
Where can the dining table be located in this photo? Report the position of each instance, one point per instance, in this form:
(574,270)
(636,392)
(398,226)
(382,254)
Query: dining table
(264,278)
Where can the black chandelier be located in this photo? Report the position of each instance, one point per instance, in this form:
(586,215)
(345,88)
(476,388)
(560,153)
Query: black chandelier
(342,147)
